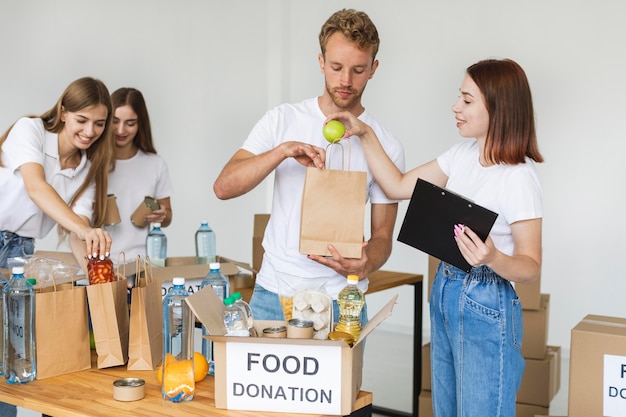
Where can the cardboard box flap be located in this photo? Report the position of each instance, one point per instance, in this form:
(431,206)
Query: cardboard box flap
(231,267)
(610,325)
(383,314)
(204,304)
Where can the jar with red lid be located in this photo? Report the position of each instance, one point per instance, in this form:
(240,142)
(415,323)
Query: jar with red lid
(100,270)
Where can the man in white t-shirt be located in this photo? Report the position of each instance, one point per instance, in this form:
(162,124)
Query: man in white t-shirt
(286,141)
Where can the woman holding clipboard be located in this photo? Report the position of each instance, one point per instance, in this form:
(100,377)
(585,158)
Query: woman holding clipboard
(476,317)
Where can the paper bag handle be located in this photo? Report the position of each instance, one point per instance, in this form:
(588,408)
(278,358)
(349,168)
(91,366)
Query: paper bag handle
(339,143)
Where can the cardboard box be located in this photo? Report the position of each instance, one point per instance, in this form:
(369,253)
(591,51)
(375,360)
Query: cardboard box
(186,267)
(426,375)
(542,378)
(597,374)
(260,223)
(282,375)
(521,410)
(528,410)
(535,338)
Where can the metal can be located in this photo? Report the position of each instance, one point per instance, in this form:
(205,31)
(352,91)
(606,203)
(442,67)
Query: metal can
(129,389)
(275,331)
(300,329)
(346,337)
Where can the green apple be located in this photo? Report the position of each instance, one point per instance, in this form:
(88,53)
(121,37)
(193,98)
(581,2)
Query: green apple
(334,131)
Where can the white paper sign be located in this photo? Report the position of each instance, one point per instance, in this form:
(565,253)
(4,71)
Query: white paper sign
(284,378)
(614,394)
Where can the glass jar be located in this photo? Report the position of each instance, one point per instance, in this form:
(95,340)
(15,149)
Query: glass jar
(100,270)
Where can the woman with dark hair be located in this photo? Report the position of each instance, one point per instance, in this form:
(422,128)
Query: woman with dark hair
(476,317)
(139,172)
(53,170)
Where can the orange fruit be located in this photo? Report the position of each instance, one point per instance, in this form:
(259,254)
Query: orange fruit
(200,366)
(178,380)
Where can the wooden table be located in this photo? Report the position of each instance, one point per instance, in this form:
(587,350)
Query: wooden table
(90,393)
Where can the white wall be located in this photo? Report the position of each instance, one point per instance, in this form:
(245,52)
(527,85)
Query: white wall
(209,69)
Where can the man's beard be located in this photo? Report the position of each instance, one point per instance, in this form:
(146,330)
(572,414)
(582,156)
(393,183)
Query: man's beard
(344,104)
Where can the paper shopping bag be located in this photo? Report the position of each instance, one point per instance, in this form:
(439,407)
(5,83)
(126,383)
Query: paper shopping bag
(333,210)
(145,345)
(108,308)
(61,322)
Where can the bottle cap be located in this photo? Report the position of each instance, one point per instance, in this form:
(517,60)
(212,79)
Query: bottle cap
(32,281)
(156,224)
(204,222)
(214,265)
(228,301)
(353,279)
(17,270)
(178,281)
(236,296)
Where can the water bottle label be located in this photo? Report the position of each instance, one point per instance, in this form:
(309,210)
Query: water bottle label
(16,325)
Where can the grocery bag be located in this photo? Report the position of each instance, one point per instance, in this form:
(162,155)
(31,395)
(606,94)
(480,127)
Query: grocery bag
(333,208)
(145,346)
(61,323)
(108,308)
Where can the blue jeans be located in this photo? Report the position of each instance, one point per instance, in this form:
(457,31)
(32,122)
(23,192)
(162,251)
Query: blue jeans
(476,343)
(7,410)
(14,246)
(266,306)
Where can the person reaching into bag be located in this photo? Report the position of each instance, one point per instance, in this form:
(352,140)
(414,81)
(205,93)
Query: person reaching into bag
(286,141)
(54,170)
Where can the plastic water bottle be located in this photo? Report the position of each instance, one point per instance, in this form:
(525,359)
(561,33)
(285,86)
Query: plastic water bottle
(234,319)
(351,301)
(221,287)
(177,371)
(205,244)
(19,355)
(156,245)
(3,281)
(245,307)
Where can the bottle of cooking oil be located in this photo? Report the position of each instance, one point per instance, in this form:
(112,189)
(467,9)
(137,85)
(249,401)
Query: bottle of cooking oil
(351,300)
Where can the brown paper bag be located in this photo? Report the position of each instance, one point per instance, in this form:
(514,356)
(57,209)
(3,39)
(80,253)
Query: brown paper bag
(145,345)
(61,328)
(333,209)
(108,308)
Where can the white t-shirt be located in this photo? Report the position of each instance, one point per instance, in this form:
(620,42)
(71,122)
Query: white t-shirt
(29,141)
(303,122)
(512,191)
(145,174)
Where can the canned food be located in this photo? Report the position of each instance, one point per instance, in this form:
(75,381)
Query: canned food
(129,389)
(276,331)
(300,329)
(346,337)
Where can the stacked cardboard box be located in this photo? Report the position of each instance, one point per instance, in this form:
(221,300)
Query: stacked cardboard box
(542,377)
(597,375)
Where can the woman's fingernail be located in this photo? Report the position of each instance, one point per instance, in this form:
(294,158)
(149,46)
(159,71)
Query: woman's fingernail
(107,254)
(95,254)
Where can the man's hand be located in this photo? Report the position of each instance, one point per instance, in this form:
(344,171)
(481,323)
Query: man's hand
(341,265)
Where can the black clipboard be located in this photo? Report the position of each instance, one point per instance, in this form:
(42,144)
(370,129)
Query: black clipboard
(430,218)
